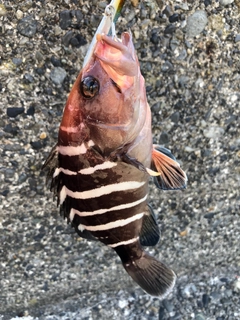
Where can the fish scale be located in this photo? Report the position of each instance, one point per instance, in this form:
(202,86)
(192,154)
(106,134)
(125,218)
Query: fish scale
(104,158)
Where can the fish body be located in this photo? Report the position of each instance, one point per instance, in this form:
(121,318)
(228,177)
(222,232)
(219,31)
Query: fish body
(104,157)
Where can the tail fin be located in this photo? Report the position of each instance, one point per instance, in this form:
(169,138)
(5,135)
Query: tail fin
(151,275)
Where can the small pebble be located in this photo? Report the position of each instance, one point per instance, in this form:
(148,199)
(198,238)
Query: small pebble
(174,43)
(199,316)
(58,75)
(37,145)
(122,303)
(39,56)
(160,4)
(225,2)
(154,38)
(19,14)
(168,306)
(207,3)
(177,316)
(237,38)
(5,192)
(79,16)
(8,173)
(216,22)
(43,135)
(28,78)
(182,55)
(3,10)
(167,11)
(166,66)
(17,61)
(22,178)
(156,107)
(67,38)
(27,26)
(65,19)
(55,62)
(164,138)
(13,112)
(161,313)
(196,23)
(215,296)
(189,290)
(170,29)
(9,128)
(213,132)
(95,20)
(205,300)
(174,18)
(175,117)
(237,285)
(184,6)
(57,30)
(78,41)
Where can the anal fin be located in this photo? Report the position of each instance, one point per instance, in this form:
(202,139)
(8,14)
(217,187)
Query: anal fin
(166,170)
(150,233)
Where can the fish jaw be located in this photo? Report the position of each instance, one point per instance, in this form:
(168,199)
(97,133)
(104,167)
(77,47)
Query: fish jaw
(118,59)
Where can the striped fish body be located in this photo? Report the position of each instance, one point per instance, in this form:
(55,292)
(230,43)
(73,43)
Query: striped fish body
(104,157)
(109,203)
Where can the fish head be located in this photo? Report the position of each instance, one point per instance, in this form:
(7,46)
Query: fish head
(107,103)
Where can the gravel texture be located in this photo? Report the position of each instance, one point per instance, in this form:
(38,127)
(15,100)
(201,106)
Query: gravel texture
(192,74)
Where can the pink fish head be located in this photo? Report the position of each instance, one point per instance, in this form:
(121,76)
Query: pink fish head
(107,103)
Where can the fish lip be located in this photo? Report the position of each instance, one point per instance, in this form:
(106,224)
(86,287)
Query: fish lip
(113,42)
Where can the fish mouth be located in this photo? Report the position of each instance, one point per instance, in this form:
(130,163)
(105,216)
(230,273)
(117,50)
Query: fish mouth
(106,26)
(117,53)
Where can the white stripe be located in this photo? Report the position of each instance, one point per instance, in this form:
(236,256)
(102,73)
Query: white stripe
(102,166)
(90,170)
(73,129)
(98,192)
(72,151)
(75,151)
(123,243)
(72,214)
(101,211)
(90,143)
(65,171)
(70,129)
(62,195)
(113,224)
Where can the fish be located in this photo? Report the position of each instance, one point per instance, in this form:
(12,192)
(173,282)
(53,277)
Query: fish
(100,167)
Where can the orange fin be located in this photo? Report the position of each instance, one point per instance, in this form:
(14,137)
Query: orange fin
(166,170)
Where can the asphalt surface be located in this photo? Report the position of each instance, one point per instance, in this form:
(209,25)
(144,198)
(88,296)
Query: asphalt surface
(193,87)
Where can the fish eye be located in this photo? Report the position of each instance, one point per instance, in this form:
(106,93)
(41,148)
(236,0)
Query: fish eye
(89,87)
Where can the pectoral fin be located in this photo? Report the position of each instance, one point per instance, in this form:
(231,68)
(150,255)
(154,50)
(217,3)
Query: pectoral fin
(166,170)
(150,233)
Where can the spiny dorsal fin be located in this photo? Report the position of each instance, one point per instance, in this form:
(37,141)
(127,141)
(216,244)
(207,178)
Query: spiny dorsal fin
(51,164)
(166,170)
(150,233)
